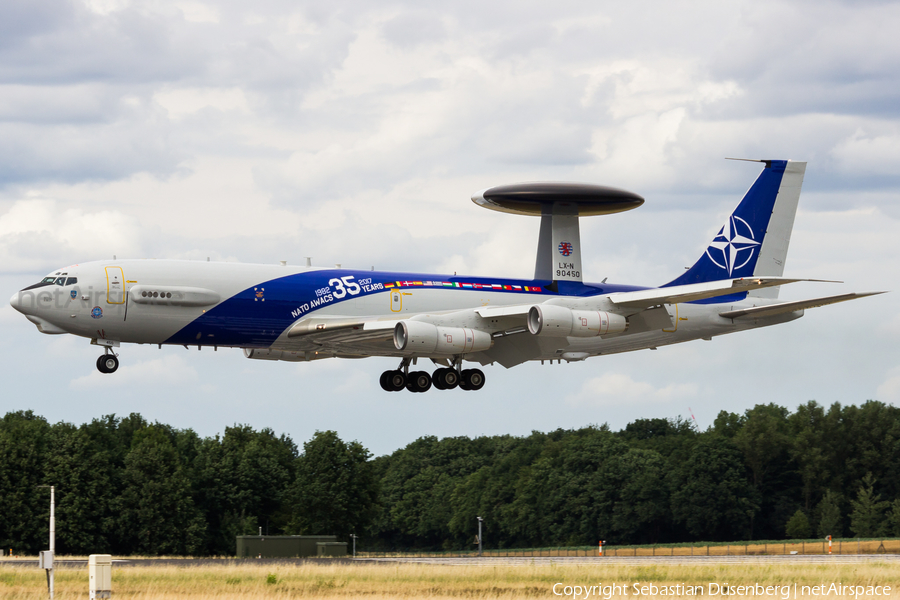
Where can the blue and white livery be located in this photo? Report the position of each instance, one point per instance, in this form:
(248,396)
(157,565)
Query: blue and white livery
(280,312)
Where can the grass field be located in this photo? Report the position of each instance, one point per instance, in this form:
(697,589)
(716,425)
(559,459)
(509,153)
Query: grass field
(327,579)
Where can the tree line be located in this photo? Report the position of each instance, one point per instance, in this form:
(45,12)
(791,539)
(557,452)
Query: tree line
(128,486)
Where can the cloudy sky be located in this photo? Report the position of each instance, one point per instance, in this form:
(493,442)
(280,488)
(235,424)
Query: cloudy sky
(355,132)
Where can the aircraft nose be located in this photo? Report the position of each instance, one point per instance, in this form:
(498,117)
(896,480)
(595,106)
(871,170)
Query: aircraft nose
(14,301)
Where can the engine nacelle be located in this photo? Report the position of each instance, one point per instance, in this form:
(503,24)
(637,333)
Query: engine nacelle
(549,320)
(427,339)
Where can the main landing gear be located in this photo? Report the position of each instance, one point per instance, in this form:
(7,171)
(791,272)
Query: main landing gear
(443,379)
(108,363)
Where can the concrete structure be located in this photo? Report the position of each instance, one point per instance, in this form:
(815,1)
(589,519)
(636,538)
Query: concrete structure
(331,549)
(281,546)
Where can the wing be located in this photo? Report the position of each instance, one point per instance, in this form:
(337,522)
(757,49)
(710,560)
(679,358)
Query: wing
(373,336)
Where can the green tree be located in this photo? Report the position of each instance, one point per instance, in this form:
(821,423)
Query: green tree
(894,518)
(640,497)
(335,491)
(713,499)
(417,491)
(156,513)
(240,481)
(808,449)
(82,471)
(727,424)
(871,438)
(829,512)
(764,440)
(797,527)
(491,491)
(867,516)
(570,492)
(24,507)
(672,439)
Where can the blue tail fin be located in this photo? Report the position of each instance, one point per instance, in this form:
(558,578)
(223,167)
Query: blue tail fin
(735,250)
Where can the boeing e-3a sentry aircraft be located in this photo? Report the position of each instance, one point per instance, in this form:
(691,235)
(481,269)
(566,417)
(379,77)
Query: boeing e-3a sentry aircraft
(280,312)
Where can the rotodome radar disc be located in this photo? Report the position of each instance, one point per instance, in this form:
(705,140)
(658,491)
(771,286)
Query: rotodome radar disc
(537,198)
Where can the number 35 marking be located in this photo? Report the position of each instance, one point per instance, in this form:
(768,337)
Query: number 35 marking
(340,291)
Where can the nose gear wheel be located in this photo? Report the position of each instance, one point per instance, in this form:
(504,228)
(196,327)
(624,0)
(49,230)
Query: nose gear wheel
(107,363)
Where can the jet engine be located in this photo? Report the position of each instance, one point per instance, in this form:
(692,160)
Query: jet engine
(558,321)
(425,338)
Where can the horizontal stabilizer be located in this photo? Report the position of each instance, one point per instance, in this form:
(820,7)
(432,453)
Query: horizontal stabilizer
(698,291)
(771,310)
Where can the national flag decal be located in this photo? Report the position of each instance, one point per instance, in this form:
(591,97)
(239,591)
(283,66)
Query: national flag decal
(468,286)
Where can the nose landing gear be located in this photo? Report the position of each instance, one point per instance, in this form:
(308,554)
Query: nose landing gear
(443,378)
(107,363)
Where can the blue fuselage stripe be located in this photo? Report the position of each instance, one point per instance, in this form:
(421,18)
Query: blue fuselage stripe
(257,316)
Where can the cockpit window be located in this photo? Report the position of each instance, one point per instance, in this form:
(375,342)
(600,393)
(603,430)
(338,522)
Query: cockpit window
(60,279)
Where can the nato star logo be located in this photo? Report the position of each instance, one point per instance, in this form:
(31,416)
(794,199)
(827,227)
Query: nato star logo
(733,247)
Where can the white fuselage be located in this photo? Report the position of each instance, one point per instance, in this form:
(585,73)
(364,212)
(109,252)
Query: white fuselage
(254,306)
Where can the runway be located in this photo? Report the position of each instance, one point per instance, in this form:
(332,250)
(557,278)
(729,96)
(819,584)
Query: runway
(78,563)
(490,561)
(779,559)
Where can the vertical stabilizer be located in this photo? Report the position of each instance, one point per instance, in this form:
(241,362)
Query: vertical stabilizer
(755,237)
(774,249)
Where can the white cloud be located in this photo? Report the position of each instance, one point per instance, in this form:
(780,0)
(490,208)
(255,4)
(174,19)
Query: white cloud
(614,389)
(862,153)
(105,7)
(36,232)
(180,102)
(198,12)
(889,390)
